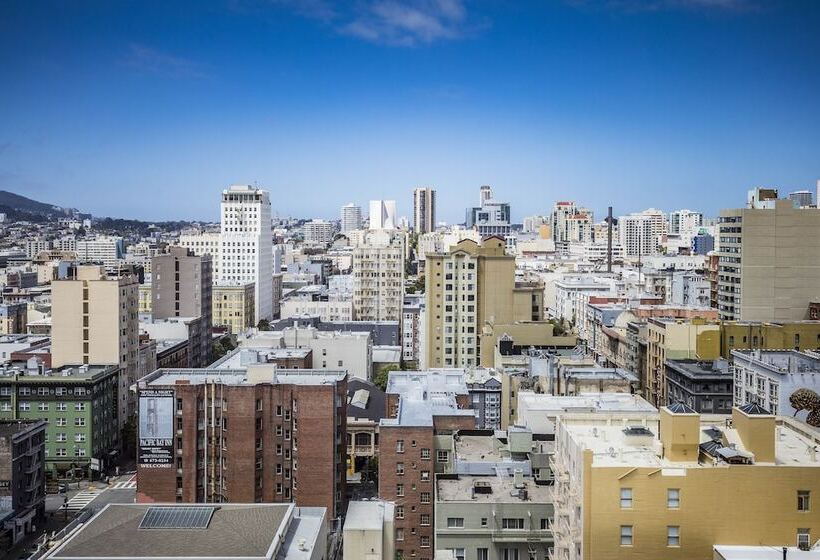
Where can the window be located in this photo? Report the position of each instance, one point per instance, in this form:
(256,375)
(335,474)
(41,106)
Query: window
(626,497)
(483,521)
(425,541)
(803,538)
(425,476)
(455,522)
(399,534)
(442,456)
(400,468)
(546,523)
(399,512)
(512,523)
(626,535)
(399,490)
(458,553)
(673,535)
(425,453)
(424,520)
(509,554)
(425,497)
(673,498)
(399,446)
(482,554)
(803,500)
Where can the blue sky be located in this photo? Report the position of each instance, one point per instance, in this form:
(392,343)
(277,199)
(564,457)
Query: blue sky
(148,109)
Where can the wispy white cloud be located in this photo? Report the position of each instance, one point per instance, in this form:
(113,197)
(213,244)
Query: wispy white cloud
(392,22)
(153,61)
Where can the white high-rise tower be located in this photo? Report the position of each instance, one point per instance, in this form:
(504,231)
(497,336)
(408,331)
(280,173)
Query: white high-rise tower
(383,214)
(246,252)
(351,218)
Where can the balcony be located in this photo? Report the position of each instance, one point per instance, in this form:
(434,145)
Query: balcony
(522,535)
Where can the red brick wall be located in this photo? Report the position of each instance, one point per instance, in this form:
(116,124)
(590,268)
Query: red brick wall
(411,501)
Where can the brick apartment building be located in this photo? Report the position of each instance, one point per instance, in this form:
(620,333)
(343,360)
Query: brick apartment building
(234,435)
(420,406)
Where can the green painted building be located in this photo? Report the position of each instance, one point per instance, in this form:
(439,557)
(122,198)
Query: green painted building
(78,402)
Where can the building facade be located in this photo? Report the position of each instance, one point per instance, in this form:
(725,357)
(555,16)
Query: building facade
(246,252)
(378,276)
(22,478)
(424,210)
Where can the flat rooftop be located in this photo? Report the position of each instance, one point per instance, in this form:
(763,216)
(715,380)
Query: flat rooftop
(478,448)
(69,373)
(362,516)
(447,380)
(234,531)
(603,402)
(192,376)
(701,369)
(241,357)
(612,446)
(780,361)
(501,490)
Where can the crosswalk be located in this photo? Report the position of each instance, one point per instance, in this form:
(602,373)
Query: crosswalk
(80,500)
(128,484)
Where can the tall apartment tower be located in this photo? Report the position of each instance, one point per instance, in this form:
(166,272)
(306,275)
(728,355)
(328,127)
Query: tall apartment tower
(244,434)
(640,232)
(378,276)
(351,217)
(383,214)
(685,222)
(95,321)
(246,253)
(181,286)
(769,262)
(471,297)
(424,210)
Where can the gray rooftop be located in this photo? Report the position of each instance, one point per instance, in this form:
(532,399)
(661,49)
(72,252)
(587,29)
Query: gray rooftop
(234,531)
(700,369)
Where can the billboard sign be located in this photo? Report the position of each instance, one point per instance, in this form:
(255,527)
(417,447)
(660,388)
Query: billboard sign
(156,428)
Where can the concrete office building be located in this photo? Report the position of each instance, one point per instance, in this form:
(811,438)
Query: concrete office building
(769,262)
(424,210)
(106,250)
(351,217)
(640,232)
(233,307)
(685,223)
(204,243)
(95,322)
(233,435)
(79,403)
(383,214)
(227,532)
(246,252)
(378,276)
(181,286)
(472,299)
(22,478)
(802,199)
(675,483)
(318,232)
(492,217)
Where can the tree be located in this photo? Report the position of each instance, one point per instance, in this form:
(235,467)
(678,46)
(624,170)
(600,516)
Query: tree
(380,379)
(263,325)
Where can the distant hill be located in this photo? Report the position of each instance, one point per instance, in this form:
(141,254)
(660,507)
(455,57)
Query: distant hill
(23,205)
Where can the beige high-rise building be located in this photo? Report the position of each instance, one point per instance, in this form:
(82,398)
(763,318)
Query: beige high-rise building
(424,210)
(233,307)
(472,299)
(769,262)
(95,321)
(378,276)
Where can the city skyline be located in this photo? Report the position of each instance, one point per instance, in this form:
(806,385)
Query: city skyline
(634,104)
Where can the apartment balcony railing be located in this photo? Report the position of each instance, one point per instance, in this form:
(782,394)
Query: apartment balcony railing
(522,535)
